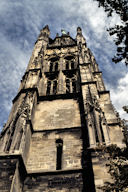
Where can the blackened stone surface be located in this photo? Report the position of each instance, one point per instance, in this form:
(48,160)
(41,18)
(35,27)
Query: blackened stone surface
(54,183)
(7,170)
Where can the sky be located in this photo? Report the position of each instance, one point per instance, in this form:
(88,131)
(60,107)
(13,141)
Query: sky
(20,25)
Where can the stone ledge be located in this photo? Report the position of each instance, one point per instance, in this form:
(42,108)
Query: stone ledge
(57,172)
(96,72)
(89,82)
(60,130)
(24,91)
(104,92)
(58,96)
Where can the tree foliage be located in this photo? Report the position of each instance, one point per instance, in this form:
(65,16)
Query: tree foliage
(118,165)
(118,169)
(120,7)
(125,108)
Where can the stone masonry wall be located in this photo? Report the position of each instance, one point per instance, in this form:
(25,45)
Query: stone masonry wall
(7,171)
(42,154)
(107,107)
(56,114)
(54,183)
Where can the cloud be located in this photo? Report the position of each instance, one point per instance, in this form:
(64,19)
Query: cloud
(119,95)
(20,23)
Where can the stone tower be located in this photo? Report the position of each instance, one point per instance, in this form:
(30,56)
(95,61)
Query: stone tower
(61,116)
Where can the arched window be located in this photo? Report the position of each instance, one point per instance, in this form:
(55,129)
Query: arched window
(59,151)
(53,64)
(52,80)
(69,62)
(71,80)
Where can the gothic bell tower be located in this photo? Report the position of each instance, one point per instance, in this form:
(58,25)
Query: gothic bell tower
(61,114)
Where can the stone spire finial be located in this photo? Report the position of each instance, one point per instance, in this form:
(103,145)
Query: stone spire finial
(79,30)
(57,35)
(80,38)
(46,28)
(45,32)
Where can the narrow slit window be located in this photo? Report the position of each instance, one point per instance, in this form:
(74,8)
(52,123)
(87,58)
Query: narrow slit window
(95,128)
(102,134)
(96,134)
(59,146)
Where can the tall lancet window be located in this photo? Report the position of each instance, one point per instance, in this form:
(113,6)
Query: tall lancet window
(18,139)
(59,151)
(69,62)
(101,130)
(8,142)
(52,84)
(71,82)
(99,134)
(53,64)
(94,122)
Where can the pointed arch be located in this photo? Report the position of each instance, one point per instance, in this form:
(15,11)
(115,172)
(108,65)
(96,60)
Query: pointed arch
(53,63)
(70,61)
